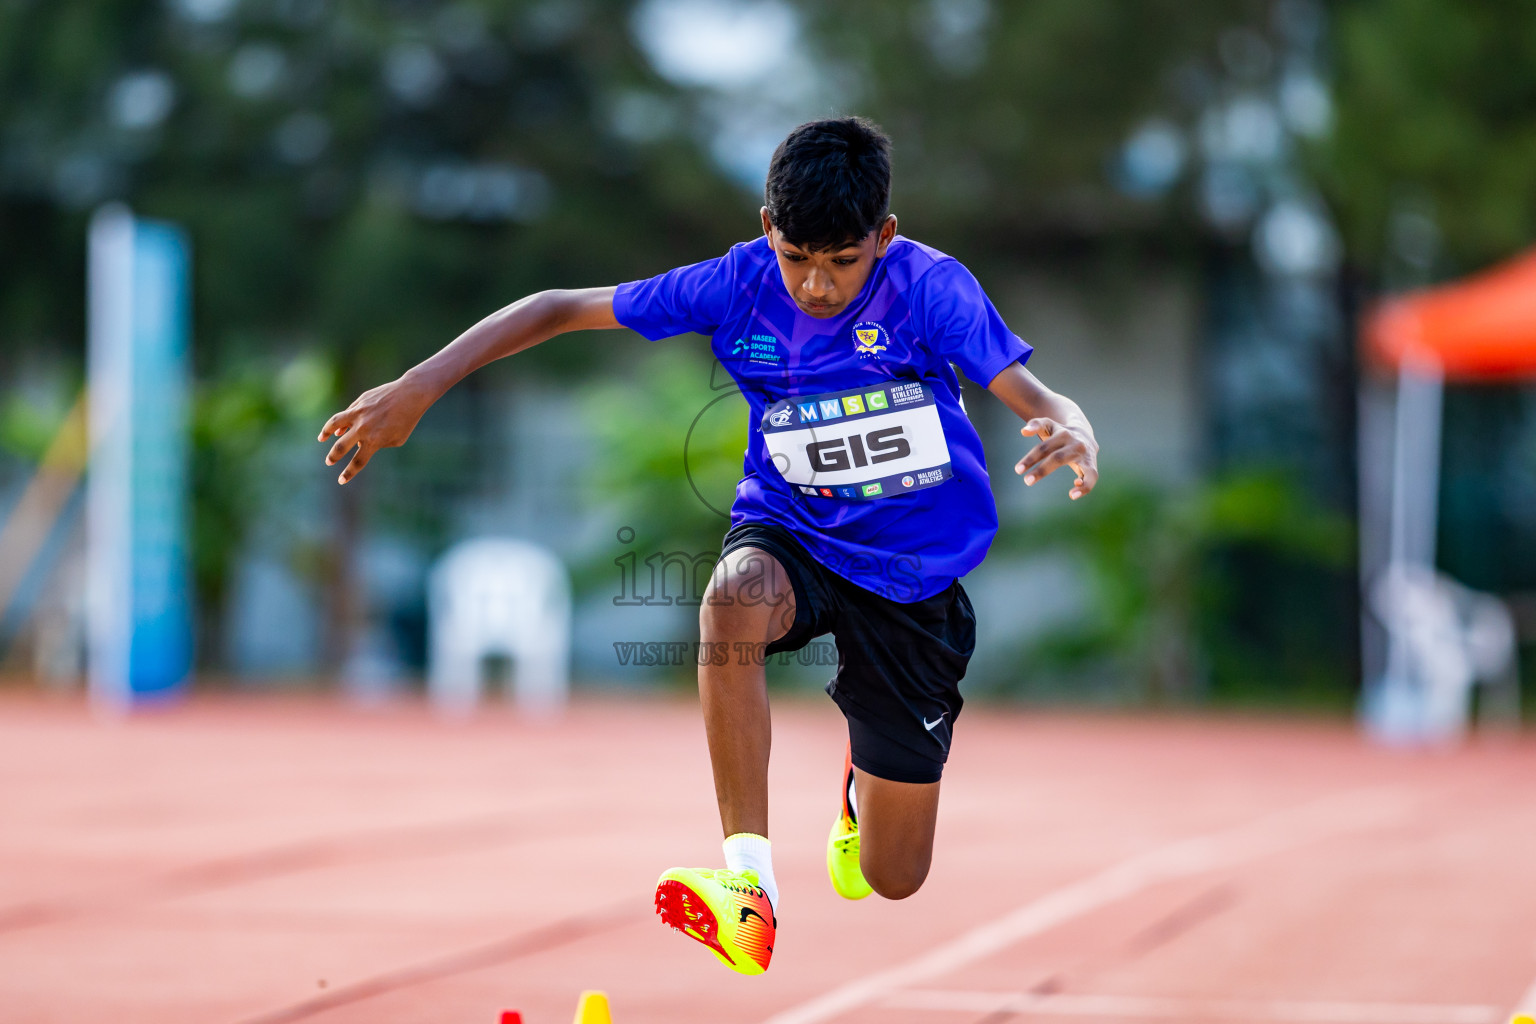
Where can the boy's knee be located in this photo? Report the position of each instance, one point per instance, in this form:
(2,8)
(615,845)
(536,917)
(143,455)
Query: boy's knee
(748,598)
(722,617)
(896,884)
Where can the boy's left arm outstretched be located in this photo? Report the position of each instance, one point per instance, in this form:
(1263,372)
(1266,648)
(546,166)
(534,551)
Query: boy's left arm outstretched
(1066,436)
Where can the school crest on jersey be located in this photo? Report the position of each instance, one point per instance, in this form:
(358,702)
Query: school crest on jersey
(869,338)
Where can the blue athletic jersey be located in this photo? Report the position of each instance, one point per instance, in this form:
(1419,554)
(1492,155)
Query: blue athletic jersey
(906,534)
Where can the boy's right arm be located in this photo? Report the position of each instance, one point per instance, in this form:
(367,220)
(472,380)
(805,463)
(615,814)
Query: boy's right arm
(385,416)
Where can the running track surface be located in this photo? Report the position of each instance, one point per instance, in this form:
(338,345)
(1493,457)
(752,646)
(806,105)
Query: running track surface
(242,861)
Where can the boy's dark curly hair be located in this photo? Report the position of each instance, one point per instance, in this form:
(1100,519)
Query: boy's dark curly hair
(829,183)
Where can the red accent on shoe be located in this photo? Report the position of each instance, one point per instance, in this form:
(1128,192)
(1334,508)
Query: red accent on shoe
(683,909)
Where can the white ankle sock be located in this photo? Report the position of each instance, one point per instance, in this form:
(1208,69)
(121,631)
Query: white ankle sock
(746,851)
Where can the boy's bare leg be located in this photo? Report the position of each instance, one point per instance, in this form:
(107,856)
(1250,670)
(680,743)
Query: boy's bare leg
(749,602)
(896,825)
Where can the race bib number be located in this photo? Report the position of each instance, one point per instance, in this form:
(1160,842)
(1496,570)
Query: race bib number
(860,444)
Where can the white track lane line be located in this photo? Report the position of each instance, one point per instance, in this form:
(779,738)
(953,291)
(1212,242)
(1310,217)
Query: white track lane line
(1273,833)
(1526,1007)
(1291,1011)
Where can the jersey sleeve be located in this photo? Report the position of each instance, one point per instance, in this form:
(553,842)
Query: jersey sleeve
(692,298)
(962,326)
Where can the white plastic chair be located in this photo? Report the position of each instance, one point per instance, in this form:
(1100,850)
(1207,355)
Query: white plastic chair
(499,598)
(1445,639)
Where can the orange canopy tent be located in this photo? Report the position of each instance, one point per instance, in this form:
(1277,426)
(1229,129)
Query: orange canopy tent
(1480,329)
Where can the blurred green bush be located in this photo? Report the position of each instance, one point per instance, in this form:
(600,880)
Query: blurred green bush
(672,436)
(1237,590)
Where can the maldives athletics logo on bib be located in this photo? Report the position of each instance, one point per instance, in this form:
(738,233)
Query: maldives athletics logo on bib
(869,338)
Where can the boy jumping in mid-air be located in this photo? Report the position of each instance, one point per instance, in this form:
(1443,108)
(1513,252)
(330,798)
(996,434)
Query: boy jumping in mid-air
(864,497)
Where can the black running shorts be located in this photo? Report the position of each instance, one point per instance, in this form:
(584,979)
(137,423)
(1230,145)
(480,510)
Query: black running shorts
(899,666)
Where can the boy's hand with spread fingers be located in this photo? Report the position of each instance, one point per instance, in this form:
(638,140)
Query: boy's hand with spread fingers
(1066,437)
(1060,445)
(382,417)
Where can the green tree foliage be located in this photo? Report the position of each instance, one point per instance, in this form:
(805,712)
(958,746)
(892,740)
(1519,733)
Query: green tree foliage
(1436,113)
(1007,116)
(368,172)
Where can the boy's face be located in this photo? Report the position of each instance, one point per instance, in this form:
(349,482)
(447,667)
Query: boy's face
(823,283)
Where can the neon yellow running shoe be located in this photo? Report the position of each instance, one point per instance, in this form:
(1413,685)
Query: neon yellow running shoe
(725,910)
(843,845)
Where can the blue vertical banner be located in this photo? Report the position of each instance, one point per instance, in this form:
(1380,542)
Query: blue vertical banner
(140,613)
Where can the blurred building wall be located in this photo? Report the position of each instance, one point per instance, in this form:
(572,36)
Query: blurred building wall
(1127,357)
